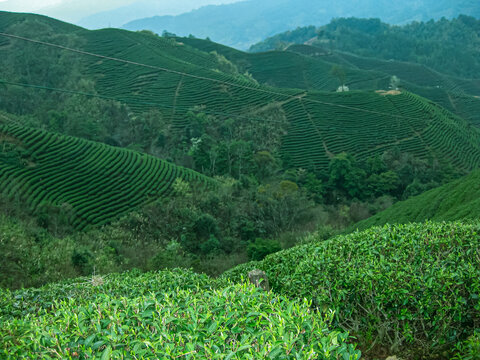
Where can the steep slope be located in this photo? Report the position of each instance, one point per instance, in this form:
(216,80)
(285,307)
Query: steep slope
(92,183)
(320,124)
(145,71)
(8,19)
(244,23)
(459,200)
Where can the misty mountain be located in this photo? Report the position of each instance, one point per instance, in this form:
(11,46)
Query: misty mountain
(244,23)
(140,9)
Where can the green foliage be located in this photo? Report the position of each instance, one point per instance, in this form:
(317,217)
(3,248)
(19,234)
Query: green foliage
(81,259)
(309,67)
(450,46)
(412,288)
(163,315)
(457,200)
(469,349)
(169,258)
(344,175)
(72,182)
(224,65)
(339,73)
(303,132)
(260,248)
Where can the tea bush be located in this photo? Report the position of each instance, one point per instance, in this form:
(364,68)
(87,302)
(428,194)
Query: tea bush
(163,315)
(413,289)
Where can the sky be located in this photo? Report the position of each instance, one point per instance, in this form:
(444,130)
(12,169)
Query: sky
(75,10)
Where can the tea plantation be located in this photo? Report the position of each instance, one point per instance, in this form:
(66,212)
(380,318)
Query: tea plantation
(459,200)
(164,315)
(412,290)
(92,182)
(321,124)
(169,75)
(289,151)
(310,68)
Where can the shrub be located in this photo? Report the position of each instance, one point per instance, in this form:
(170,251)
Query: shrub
(169,314)
(469,349)
(411,288)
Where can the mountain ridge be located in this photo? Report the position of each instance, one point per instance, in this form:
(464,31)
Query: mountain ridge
(244,23)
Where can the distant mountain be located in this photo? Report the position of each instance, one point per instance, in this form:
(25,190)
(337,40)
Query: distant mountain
(144,8)
(244,23)
(448,46)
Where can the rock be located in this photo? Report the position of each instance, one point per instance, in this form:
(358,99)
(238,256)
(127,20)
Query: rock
(259,279)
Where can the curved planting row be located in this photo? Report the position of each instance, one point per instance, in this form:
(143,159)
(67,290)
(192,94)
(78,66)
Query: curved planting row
(97,181)
(446,136)
(320,124)
(171,92)
(367,124)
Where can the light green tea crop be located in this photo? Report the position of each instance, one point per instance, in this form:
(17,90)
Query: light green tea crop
(164,315)
(412,288)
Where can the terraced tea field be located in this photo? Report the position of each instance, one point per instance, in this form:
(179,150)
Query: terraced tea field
(309,67)
(98,182)
(146,71)
(289,69)
(322,124)
(415,125)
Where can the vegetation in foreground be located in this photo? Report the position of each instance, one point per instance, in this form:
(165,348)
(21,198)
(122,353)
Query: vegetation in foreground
(411,290)
(164,315)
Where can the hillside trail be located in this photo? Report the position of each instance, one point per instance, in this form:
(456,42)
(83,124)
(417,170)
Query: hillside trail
(177,92)
(324,143)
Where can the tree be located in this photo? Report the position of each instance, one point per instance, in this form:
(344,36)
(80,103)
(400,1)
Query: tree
(260,248)
(346,176)
(340,74)
(394,82)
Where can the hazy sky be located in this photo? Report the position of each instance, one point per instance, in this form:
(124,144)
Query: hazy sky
(75,10)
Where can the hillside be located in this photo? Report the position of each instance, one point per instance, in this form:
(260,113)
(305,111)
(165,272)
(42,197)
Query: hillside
(310,67)
(409,290)
(448,46)
(142,178)
(159,73)
(247,22)
(459,200)
(384,284)
(91,183)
